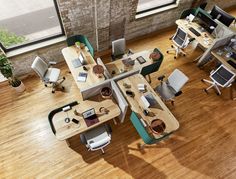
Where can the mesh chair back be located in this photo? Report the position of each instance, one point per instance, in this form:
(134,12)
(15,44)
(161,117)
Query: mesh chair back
(40,67)
(222,76)
(177,80)
(180,37)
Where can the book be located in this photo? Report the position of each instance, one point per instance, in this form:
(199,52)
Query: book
(82,77)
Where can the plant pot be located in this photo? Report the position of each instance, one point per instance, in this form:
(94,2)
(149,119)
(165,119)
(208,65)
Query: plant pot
(21,88)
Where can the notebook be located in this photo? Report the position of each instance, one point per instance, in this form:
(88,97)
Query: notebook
(82,77)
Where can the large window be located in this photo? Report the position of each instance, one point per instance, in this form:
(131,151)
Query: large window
(25,22)
(148,5)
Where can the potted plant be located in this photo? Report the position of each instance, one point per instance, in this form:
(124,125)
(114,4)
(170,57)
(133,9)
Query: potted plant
(7,71)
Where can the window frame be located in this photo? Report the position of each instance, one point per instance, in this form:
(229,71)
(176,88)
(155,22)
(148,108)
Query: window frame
(39,40)
(157,7)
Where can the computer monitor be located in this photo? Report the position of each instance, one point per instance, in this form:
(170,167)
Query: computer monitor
(222,16)
(205,21)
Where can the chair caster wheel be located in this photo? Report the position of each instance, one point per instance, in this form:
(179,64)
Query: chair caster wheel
(206,91)
(167,51)
(63,88)
(64,78)
(53,91)
(184,55)
(172,46)
(218,94)
(175,57)
(202,80)
(46,85)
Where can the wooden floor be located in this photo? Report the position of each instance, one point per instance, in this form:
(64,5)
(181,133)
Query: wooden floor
(203,147)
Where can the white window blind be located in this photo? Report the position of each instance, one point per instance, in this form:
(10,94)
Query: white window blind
(145,5)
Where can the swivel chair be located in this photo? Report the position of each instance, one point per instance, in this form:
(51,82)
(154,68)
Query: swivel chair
(97,138)
(221,77)
(119,49)
(147,70)
(48,75)
(172,87)
(180,42)
(141,128)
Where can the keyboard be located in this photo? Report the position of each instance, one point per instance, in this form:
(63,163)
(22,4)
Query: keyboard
(232,63)
(194,31)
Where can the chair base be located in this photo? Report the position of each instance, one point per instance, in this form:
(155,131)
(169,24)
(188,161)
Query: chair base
(213,85)
(57,85)
(178,51)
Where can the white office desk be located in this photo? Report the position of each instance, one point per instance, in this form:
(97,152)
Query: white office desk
(205,39)
(71,53)
(117,67)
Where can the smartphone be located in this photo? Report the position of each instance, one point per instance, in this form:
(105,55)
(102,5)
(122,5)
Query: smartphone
(75,121)
(130,93)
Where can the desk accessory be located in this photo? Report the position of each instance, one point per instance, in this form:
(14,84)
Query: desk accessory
(76,63)
(90,117)
(126,85)
(157,126)
(145,102)
(142,87)
(141,60)
(85,68)
(75,121)
(98,70)
(106,92)
(129,93)
(103,110)
(65,109)
(82,77)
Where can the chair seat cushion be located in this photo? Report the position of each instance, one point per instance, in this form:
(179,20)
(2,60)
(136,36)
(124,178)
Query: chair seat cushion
(165,91)
(52,74)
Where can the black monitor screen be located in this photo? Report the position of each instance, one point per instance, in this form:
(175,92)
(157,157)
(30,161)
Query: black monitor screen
(205,21)
(222,16)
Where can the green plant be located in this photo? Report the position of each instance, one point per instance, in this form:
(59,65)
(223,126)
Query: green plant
(7,71)
(9,38)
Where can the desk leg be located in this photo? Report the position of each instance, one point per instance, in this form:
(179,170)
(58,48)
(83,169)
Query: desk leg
(232,92)
(68,142)
(196,59)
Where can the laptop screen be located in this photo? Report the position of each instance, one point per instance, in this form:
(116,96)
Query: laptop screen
(82,58)
(88,113)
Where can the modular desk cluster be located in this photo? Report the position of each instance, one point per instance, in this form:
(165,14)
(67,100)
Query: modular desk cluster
(115,75)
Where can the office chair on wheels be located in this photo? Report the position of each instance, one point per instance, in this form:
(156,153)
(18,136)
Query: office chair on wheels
(180,42)
(119,49)
(48,75)
(221,77)
(97,138)
(172,87)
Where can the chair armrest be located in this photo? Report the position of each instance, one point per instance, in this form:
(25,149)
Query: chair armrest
(52,63)
(178,93)
(130,52)
(83,139)
(161,78)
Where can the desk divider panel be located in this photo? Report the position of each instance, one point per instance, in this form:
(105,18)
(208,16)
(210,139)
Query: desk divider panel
(220,42)
(94,90)
(106,73)
(120,100)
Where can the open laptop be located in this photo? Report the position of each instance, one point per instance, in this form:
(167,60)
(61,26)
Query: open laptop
(90,117)
(78,62)
(89,114)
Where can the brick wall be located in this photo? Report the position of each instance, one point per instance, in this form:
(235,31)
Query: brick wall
(115,19)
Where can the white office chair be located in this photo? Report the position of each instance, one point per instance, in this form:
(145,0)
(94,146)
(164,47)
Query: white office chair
(97,138)
(47,75)
(221,77)
(119,49)
(180,41)
(172,87)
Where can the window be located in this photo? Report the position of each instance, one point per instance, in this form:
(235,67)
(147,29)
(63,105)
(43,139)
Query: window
(26,22)
(149,5)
